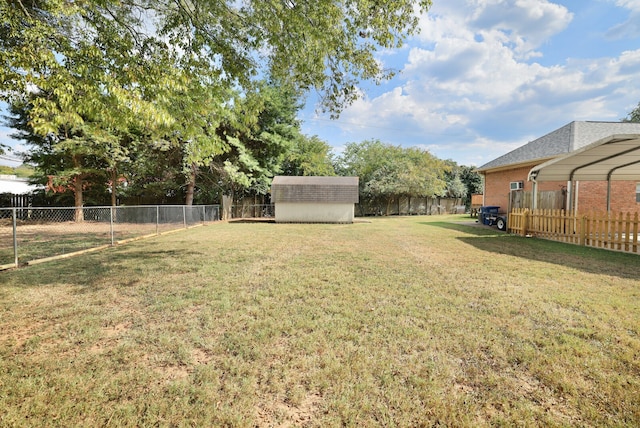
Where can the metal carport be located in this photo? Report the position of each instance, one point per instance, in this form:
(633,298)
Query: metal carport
(614,158)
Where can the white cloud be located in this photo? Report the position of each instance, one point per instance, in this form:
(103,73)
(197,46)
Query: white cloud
(470,74)
(476,151)
(522,25)
(633,5)
(472,87)
(479,50)
(629,28)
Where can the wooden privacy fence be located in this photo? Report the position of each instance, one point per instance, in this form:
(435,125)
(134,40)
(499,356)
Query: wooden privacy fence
(609,231)
(547,200)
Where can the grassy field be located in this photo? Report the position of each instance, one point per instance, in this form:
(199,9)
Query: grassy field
(48,239)
(415,321)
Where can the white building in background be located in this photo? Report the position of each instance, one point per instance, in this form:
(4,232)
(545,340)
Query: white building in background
(15,186)
(314,199)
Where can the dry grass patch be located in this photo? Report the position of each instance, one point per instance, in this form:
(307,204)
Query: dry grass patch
(397,322)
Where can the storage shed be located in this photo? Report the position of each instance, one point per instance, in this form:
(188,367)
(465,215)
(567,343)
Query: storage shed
(314,199)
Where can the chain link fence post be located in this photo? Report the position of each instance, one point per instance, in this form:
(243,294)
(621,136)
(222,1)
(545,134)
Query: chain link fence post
(184,215)
(14,215)
(111,211)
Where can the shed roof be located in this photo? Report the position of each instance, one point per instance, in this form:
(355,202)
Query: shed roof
(314,189)
(562,141)
(616,157)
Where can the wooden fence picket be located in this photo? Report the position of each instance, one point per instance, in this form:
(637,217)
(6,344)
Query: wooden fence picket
(634,246)
(613,231)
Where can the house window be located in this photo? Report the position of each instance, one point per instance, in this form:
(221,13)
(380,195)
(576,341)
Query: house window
(516,185)
(637,192)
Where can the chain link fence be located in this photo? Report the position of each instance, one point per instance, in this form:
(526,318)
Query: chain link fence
(31,234)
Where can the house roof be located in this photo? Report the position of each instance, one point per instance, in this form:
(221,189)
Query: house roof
(314,189)
(616,157)
(562,141)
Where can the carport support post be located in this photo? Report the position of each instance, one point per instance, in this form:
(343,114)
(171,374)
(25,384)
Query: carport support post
(609,192)
(14,214)
(576,197)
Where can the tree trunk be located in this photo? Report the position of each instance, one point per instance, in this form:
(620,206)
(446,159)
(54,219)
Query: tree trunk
(114,187)
(191,185)
(78,181)
(227,204)
(77,188)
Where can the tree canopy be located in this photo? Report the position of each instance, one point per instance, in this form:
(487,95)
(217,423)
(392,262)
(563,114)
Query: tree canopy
(322,44)
(388,172)
(164,94)
(106,81)
(634,115)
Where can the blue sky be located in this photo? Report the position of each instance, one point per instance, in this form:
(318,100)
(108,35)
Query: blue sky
(486,76)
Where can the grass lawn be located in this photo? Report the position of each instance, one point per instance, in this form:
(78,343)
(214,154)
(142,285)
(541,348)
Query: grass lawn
(414,321)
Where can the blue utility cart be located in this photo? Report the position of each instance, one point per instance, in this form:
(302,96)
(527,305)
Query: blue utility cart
(490,215)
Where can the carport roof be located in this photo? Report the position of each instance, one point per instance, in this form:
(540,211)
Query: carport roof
(616,157)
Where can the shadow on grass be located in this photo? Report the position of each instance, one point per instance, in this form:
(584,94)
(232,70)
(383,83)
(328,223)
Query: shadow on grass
(586,259)
(466,227)
(89,271)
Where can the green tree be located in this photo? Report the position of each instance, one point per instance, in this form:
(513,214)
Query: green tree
(154,174)
(261,129)
(425,173)
(364,160)
(634,115)
(324,44)
(198,111)
(387,173)
(455,188)
(71,68)
(65,160)
(309,156)
(473,181)
(463,181)
(112,74)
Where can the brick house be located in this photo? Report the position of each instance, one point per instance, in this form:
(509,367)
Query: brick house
(314,199)
(509,175)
